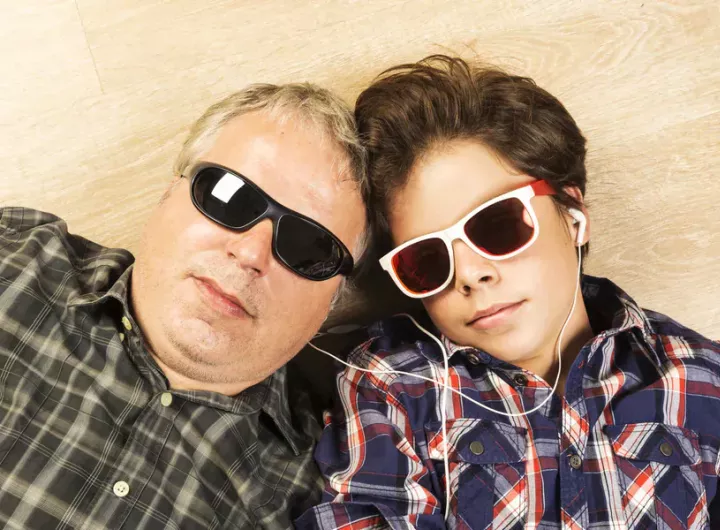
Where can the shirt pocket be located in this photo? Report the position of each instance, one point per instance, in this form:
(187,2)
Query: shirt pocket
(487,471)
(660,475)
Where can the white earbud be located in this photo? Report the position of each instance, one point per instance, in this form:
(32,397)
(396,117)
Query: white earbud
(582,221)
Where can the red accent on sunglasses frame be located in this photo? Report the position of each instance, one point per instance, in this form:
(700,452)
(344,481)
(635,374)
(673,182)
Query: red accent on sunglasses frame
(541,187)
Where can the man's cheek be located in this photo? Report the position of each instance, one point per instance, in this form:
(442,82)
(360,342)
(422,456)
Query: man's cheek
(199,236)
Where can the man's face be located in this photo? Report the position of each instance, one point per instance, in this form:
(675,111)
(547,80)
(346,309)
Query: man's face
(187,261)
(538,282)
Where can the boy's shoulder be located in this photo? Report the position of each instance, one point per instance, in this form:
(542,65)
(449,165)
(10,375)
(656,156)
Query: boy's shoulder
(674,341)
(664,326)
(396,343)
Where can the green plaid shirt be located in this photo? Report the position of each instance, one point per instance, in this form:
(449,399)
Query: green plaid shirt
(90,434)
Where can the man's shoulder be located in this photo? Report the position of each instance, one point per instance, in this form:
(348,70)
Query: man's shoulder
(17,220)
(23,225)
(20,226)
(28,235)
(37,245)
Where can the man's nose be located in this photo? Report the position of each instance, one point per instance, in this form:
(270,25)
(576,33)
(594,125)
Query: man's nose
(472,271)
(252,250)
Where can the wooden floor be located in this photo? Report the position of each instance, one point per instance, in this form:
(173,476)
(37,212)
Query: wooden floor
(96,96)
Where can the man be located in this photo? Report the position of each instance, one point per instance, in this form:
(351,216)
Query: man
(153,394)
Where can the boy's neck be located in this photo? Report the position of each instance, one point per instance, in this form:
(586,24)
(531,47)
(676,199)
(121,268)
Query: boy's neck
(577,333)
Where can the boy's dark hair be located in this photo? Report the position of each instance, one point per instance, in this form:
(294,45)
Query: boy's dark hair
(413,108)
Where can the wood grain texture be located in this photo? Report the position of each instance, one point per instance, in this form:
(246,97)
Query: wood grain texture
(97,95)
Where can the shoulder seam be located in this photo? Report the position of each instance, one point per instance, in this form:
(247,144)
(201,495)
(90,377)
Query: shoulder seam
(362,349)
(4,220)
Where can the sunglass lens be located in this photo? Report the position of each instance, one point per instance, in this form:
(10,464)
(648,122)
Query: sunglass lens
(227,198)
(423,266)
(501,228)
(307,248)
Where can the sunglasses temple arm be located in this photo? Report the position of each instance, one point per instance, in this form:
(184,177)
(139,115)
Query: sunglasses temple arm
(347,267)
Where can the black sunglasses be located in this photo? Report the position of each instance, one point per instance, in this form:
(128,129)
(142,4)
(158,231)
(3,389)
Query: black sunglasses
(302,245)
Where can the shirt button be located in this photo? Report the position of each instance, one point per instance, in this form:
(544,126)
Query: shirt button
(126,323)
(166,399)
(473,358)
(666,449)
(121,488)
(477,448)
(520,379)
(575,462)
(122,337)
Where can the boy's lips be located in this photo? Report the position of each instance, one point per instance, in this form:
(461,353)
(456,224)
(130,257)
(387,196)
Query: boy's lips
(494,315)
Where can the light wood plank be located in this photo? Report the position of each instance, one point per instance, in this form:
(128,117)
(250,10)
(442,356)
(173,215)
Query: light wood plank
(45,58)
(96,97)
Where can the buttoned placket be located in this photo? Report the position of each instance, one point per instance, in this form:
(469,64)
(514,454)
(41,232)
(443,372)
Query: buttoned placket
(124,481)
(573,444)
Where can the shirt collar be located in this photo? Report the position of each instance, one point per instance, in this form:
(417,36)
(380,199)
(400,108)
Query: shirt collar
(612,311)
(105,287)
(269,397)
(277,406)
(615,307)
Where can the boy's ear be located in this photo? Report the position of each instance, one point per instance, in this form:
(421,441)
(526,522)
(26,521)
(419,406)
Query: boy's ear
(575,192)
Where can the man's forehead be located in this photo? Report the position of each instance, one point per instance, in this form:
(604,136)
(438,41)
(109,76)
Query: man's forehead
(291,161)
(283,157)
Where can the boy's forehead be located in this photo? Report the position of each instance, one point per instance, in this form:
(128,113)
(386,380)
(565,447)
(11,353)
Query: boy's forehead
(460,178)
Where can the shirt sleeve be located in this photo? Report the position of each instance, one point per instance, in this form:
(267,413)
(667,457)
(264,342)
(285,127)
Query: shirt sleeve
(714,503)
(374,477)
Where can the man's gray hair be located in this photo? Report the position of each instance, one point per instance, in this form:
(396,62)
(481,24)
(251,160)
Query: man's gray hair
(312,104)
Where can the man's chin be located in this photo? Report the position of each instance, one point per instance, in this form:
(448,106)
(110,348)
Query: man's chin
(192,333)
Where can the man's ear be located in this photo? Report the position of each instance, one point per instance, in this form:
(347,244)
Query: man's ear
(575,192)
(173,184)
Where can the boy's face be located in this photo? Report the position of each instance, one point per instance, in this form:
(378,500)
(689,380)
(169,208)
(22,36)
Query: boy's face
(538,283)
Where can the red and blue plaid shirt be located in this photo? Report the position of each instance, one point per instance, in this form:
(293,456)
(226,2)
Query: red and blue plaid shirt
(634,442)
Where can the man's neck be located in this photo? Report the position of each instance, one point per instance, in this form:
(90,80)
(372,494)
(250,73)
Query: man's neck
(179,381)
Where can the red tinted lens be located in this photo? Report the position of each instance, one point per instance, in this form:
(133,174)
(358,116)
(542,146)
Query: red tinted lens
(423,266)
(501,228)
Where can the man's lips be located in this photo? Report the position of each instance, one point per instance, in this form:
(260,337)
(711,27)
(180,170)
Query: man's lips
(219,299)
(493,315)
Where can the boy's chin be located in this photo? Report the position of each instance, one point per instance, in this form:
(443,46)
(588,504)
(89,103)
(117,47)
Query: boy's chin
(513,346)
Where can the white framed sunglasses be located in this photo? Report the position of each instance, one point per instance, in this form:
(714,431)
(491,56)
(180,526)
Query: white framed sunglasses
(497,229)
